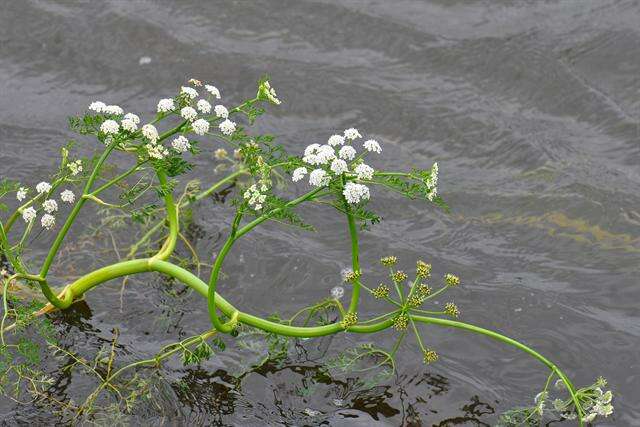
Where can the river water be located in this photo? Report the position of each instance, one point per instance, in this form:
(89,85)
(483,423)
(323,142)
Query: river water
(531,110)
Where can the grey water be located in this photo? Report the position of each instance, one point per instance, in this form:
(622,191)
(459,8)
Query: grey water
(531,109)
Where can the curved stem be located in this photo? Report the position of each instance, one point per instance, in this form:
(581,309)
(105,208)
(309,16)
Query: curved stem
(172,216)
(213,281)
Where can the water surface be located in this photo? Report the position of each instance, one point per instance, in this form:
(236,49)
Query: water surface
(530,108)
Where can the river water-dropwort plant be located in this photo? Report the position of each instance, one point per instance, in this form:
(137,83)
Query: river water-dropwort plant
(266,184)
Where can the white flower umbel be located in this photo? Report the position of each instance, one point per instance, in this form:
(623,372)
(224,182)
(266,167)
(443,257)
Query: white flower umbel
(227,127)
(43,187)
(364,171)
(269,92)
(200,126)
(133,117)
(213,91)
(50,206)
(432,182)
(188,113)
(355,193)
(352,133)
(129,125)
(48,221)
(165,105)
(254,197)
(109,127)
(339,166)
(372,146)
(337,292)
(157,151)
(316,154)
(189,92)
(150,132)
(347,152)
(203,106)
(319,178)
(21,194)
(336,140)
(299,173)
(29,214)
(67,196)
(113,109)
(75,167)
(221,111)
(97,106)
(181,144)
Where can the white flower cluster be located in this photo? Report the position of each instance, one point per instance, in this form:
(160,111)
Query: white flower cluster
(101,107)
(130,122)
(49,206)
(432,182)
(21,194)
(336,158)
(165,105)
(598,402)
(181,144)
(255,197)
(75,167)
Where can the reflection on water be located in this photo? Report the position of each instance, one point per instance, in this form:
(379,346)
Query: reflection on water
(530,108)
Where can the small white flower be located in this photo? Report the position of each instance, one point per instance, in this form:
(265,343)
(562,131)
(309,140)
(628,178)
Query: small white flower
(316,154)
(347,152)
(200,126)
(50,206)
(319,178)
(372,145)
(364,171)
(355,193)
(97,106)
(109,127)
(339,166)
(337,292)
(203,106)
(29,214)
(43,187)
(589,418)
(129,125)
(133,117)
(352,133)
(48,221)
(213,91)
(75,167)
(190,92)
(299,173)
(221,111)
(188,113)
(165,105)
(311,149)
(181,144)
(68,196)
(156,151)
(220,154)
(150,132)
(21,194)
(433,178)
(336,140)
(227,127)
(270,92)
(113,109)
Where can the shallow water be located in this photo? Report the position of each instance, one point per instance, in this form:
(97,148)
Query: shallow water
(531,110)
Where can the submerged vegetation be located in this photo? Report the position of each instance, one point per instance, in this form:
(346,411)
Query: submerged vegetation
(265,184)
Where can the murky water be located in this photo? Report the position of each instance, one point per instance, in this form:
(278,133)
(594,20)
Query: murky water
(531,110)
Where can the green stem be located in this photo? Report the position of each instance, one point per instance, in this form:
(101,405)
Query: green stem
(509,341)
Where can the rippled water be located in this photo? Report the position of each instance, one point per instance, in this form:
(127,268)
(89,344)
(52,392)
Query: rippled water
(530,108)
